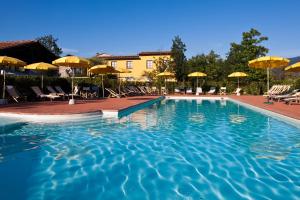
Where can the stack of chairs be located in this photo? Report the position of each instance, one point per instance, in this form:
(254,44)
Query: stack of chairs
(277,90)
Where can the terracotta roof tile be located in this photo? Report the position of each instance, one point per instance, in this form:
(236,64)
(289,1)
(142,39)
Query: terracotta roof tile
(153,53)
(10,44)
(121,57)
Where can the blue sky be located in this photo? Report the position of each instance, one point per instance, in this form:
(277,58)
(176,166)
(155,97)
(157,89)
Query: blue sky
(129,26)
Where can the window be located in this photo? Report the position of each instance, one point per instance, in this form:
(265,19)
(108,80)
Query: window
(149,64)
(78,71)
(129,64)
(114,64)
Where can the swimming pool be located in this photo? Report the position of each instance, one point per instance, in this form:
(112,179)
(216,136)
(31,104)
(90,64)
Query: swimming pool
(173,149)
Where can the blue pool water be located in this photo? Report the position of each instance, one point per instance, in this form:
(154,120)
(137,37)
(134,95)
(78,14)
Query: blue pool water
(170,150)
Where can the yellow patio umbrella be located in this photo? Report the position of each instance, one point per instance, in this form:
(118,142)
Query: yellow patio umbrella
(9,61)
(268,62)
(166,75)
(293,68)
(237,75)
(41,66)
(72,62)
(102,70)
(197,74)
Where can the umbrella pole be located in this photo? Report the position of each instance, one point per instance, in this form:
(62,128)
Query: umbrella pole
(3,92)
(268,77)
(197,83)
(42,83)
(238,82)
(165,85)
(119,84)
(102,86)
(72,101)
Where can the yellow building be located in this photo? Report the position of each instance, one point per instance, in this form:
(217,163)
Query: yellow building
(137,64)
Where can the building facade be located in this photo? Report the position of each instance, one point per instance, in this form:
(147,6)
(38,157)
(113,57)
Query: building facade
(137,64)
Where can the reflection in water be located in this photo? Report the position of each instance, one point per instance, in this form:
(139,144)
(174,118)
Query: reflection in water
(270,146)
(197,118)
(237,118)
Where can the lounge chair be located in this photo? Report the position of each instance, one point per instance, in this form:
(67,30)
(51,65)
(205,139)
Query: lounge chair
(60,90)
(294,99)
(163,90)
(189,91)
(142,90)
(223,91)
(177,91)
(284,96)
(113,94)
(277,90)
(76,92)
(237,91)
(199,90)
(154,90)
(52,91)
(14,94)
(212,90)
(41,95)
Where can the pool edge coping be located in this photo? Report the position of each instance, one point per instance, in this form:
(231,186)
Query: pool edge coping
(279,116)
(53,118)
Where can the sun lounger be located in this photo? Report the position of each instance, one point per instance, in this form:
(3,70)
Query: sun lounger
(277,90)
(199,90)
(237,91)
(113,94)
(177,91)
(212,90)
(294,99)
(52,91)
(149,90)
(142,90)
(14,94)
(223,91)
(41,95)
(189,91)
(284,96)
(60,90)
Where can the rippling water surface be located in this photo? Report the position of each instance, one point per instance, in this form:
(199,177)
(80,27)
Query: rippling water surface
(171,150)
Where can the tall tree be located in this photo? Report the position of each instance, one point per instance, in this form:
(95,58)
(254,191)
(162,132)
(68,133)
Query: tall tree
(249,48)
(97,61)
(179,60)
(50,43)
(211,64)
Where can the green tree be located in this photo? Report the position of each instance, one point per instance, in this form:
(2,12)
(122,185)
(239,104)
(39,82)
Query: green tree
(97,61)
(179,60)
(162,64)
(211,64)
(50,43)
(249,48)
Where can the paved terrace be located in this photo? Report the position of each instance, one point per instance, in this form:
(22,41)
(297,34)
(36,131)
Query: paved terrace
(81,106)
(292,111)
(114,104)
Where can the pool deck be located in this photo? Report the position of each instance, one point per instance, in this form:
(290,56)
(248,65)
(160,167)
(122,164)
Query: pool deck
(115,105)
(292,111)
(81,106)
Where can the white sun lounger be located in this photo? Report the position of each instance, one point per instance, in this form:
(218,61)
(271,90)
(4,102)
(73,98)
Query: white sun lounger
(41,95)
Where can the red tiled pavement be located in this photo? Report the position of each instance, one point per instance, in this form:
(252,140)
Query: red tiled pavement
(81,106)
(62,107)
(277,107)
